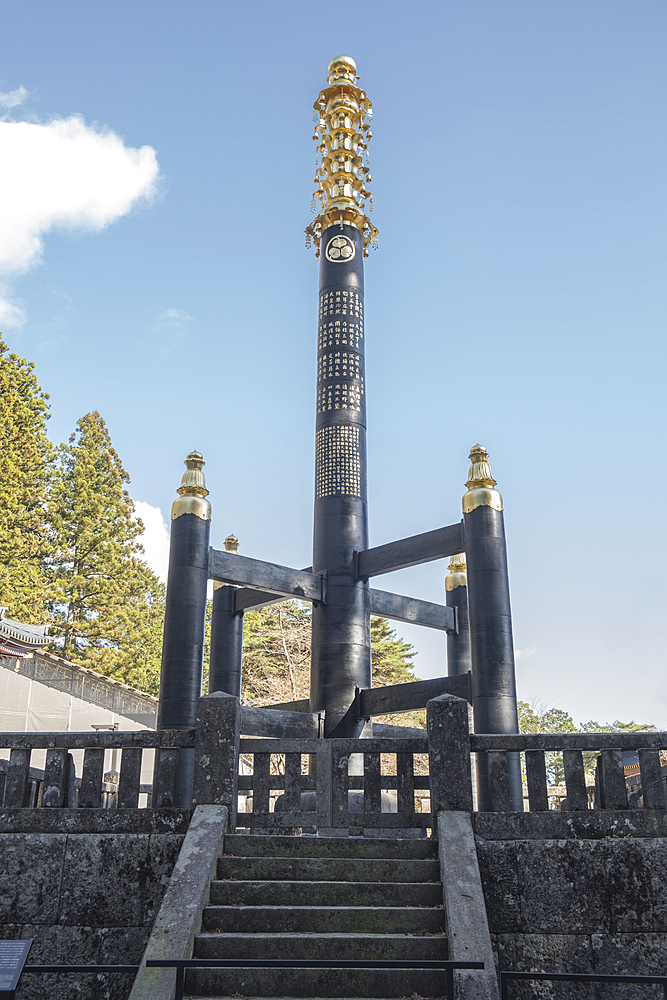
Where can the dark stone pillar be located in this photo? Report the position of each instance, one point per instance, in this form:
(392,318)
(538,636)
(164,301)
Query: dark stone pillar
(185,616)
(341,643)
(456,596)
(491,642)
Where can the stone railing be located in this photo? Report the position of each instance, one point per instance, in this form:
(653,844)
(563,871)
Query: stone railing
(613,788)
(388,782)
(357,784)
(56,785)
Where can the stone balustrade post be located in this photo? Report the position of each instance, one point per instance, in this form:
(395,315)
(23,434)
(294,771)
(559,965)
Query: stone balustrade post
(217,740)
(448,727)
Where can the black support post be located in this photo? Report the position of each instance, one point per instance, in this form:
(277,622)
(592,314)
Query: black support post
(341,644)
(491,643)
(456,596)
(185,616)
(224,673)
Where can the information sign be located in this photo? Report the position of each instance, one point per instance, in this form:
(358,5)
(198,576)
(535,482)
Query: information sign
(13,955)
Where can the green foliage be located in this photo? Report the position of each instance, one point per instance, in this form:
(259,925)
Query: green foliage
(26,454)
(392,663)
(391,656)
(107,602)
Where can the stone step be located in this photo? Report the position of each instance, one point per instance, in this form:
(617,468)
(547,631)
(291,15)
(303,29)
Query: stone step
(321,946)
(315,982)
(323,920)
(328,869)
(293,893)
(246,846)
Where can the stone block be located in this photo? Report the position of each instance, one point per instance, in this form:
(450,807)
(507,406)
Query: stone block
(563,886)
(500,881)
(632,955)
(104,880)
(121,945)
(30,870)
(636,870)
(162,854)
(62,945)
(547,953)
(94,821)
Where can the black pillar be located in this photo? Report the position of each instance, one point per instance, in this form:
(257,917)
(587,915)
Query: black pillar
(491,642)
(224,672)
(456,596)
(185,616)
(341,643)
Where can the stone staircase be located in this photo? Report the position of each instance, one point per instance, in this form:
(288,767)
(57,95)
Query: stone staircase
(322,898)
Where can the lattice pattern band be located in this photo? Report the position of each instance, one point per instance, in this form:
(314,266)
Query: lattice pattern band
(338,461)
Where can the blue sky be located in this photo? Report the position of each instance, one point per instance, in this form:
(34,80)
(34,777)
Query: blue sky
(517,298)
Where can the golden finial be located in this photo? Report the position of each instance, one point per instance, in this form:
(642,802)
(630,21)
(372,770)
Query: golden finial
(456,572)
(480,483)
(231,543)
(192,491)
(342,113)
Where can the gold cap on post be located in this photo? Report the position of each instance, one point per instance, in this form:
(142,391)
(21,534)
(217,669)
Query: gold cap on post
(480,483)
(342,113)
(192,491)
(456,572)
(231,543)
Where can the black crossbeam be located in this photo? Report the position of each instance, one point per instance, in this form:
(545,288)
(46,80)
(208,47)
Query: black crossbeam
(394,606)
(410,609)
(412,696)
(246,599)
(229,567)
(410,551)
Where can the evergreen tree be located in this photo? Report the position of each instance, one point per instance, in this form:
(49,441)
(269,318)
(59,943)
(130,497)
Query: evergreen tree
(391,656)
(26,457)
(108,603)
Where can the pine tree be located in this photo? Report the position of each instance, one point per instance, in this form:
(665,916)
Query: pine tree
(109,604)
(391,656)
(26,457)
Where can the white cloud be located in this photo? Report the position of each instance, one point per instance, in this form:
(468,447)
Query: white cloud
(62,175)
(155,538)
(172,318)
(520,654)
(171,325)
(13,98)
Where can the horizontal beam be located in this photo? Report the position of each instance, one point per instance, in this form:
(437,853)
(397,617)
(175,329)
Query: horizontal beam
(568,741)
(397,732)
(229,567)
(412,696)
(410,551)
(246,599)
(279,725)
(409,609)
(144,738)
(291,706)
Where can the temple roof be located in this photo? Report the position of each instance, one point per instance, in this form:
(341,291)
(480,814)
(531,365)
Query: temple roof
(20,635)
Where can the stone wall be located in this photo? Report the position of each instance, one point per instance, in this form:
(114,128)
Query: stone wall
(576,893)
(87,887)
